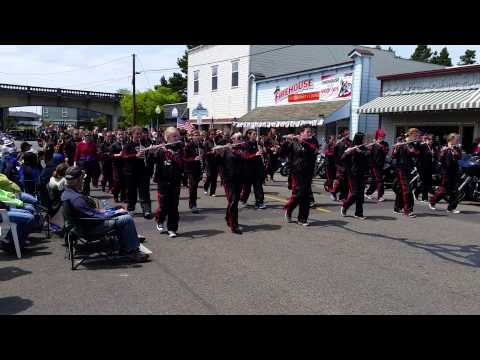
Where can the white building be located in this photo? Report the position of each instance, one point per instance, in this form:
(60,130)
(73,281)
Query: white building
(438,102)
(223,79)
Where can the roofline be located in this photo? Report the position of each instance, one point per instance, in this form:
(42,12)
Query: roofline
(307,70)
(434,72)
(195,48)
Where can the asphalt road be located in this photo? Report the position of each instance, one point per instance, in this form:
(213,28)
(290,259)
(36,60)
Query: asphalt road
(387,264)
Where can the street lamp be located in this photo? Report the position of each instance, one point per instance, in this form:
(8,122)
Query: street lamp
(158,110)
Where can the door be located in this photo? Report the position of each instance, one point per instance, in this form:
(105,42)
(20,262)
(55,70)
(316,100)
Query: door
(467,138)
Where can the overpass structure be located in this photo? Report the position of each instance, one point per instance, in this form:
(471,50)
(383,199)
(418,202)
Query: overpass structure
(23,95)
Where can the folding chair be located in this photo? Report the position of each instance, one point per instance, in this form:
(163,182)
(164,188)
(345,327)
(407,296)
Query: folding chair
(76,237)
(5,227)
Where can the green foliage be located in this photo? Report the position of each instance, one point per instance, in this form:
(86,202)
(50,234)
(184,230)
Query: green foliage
(147,101)
(100,122)
(468,58)
(422,53)
(441,59)
(163,81)
(10,123)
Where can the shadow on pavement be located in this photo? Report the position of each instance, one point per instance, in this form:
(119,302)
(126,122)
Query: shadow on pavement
(261,227)
(422,215)
(191,217)
(27,253)
(468,255)
(14,304)
(200,233)
(341,224)
(11,272)
(376,217)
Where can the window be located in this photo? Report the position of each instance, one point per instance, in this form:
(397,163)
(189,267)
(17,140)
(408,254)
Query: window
(195,82)
(234,73)
(214,78)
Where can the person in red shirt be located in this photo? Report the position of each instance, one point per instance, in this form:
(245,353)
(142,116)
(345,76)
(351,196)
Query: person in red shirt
(87,157)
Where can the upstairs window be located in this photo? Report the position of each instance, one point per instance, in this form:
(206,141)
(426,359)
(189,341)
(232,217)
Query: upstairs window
(195,82)
(234,73)
(214,78)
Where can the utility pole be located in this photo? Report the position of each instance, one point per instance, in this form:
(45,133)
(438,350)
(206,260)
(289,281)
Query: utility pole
(134,100)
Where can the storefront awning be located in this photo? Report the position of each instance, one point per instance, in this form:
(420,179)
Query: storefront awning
(428,101)
(313,114)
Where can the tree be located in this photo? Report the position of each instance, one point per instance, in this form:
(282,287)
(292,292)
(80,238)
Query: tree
(441,59)
(468,58)
(422,53)
(163,81)
(390,49)
(147,102)
(100,122)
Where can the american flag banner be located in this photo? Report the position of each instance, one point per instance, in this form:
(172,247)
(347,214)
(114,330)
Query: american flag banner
(185,124)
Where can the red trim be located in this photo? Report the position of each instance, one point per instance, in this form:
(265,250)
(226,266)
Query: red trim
(435,72)
(292,198)
(404,191)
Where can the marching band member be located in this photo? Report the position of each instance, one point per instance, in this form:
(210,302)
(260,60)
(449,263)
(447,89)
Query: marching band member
(232,168)
(272,146)
(329,155)
(119,191)
(378,153)
(137,174)
(193,167)
(211,163)
(303,152)
(425,168)
(107,161)
(404,154)
(355,160)
(168,161)
(254,171)
(449,157)
(340,184)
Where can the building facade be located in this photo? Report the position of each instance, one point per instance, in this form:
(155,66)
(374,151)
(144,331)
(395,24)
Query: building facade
(69,116)
(223,79)
(438,102)
(25,119)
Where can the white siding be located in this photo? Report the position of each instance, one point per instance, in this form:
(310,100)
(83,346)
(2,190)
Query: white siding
(226,102)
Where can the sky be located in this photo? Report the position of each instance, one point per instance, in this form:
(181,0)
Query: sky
(109,67)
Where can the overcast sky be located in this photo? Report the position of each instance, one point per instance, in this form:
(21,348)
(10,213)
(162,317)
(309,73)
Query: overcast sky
(109,68)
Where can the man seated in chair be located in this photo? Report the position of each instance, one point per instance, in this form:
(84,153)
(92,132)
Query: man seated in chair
(85,207)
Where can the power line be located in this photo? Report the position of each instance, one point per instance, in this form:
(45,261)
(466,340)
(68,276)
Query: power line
(67,71)
(99,81)
(225,60)
(144,73)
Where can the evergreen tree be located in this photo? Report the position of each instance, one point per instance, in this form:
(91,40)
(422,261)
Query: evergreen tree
(442,59)
(163,81)
(422,53)
(468,58)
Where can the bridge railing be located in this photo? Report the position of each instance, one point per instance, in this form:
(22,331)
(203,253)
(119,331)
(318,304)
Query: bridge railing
(37,90)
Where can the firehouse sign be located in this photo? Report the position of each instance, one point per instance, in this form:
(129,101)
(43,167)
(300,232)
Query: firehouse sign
(316,88)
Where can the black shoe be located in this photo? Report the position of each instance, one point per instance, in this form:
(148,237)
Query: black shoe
(141,239)
(103,188)
(137,256)
(237,231)
(116,199)
(147,216)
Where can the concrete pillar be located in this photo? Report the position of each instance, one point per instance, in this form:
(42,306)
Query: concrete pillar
(3,117)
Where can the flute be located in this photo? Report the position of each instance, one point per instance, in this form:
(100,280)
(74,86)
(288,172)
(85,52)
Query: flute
(164,146)
(220,147)
(359,146)
(405,143)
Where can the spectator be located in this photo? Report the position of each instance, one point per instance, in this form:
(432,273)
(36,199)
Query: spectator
(120,220)
(31,173)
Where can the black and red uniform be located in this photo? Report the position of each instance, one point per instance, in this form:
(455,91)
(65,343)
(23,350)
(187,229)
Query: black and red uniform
(119,190)
(137,175)
(425,170)
(329,155)
(404,155)
(448,188)
(271,156)
(168,177)
(340,184)
(232,168)
(212,162)
(378,154)
(107,164)
(193,169)
(356,166)
(254,171)
(303,154)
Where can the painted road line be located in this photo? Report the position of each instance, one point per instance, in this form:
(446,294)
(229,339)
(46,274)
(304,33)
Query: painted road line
(286,201)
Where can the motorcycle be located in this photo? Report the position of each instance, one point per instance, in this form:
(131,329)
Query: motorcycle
(470,179)
(284,167)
